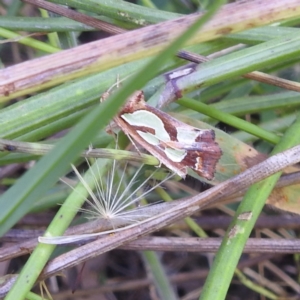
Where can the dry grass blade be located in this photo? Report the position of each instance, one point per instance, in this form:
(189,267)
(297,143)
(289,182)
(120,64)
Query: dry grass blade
(93,57)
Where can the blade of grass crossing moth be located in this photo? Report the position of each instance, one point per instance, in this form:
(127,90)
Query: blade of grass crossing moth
(19,199)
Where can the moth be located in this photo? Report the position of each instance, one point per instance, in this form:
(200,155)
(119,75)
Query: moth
(175,144)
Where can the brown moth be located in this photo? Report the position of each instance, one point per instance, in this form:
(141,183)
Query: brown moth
(175,144)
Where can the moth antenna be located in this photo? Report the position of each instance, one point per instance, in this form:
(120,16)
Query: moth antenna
(118,81)
(106,94)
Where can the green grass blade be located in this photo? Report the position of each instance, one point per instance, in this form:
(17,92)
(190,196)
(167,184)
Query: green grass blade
(28,41)
(158,275)
(227,258)
(229,119)
(121,10)
(38,24)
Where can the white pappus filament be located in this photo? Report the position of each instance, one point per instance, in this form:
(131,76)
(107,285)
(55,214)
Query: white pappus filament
(113,199)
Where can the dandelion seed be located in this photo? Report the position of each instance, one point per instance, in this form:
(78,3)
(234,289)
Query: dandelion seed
(114,199)
(114,196)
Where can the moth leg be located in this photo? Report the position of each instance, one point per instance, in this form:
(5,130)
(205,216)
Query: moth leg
(112,128)
(133,143)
